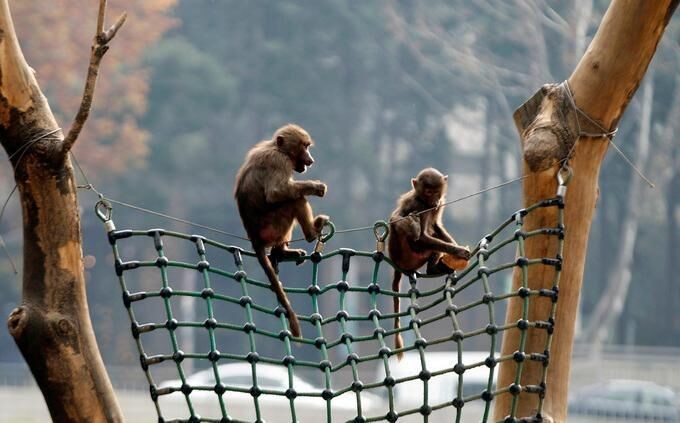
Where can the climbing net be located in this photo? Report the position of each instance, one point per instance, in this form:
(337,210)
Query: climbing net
(241,340)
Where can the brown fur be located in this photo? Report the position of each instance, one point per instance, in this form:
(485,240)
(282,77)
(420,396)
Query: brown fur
(270,201)
(418,236)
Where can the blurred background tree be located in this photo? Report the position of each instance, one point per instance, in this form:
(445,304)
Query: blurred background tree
(55,39)
(386,88)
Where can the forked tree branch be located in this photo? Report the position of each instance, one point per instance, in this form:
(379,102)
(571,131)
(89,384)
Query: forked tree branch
(99,48)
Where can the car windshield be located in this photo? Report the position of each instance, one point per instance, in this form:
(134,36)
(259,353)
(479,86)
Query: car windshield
(626,395)
(629,393)
(266,379)
(473,388)
(244,381)
(658,395)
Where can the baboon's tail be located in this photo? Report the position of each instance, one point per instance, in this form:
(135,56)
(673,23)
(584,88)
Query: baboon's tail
(277,287)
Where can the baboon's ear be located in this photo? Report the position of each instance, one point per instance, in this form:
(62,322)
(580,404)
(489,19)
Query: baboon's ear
(446,177)
(414,182)
(279,140)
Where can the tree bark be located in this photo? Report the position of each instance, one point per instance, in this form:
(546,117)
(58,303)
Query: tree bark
(610,305)
(603,83)
(52,327)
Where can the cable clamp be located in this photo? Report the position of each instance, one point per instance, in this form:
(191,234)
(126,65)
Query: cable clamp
(91,187)
(380,229)
(564,175)
(104,211)
(324,236)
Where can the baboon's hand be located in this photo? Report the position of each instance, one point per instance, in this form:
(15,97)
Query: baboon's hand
(320,189)
(461,252)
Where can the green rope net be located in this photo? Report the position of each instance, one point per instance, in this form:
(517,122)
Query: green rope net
(240,341)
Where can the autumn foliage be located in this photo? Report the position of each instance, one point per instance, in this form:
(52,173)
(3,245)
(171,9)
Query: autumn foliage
(55,38)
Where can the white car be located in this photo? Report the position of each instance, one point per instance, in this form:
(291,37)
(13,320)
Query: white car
(441,389)
(625,400)
(274,408)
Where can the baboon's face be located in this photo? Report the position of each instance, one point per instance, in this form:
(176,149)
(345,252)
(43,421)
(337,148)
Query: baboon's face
(303,157)
(431,194)
(296,145)
(430,186)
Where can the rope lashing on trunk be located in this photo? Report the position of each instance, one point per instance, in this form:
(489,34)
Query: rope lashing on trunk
(349,337)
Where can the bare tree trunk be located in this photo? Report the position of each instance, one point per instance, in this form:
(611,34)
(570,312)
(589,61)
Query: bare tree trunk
(603,83)
(52,326)
(486,161)
(672,250)
(671,176)
(610,305)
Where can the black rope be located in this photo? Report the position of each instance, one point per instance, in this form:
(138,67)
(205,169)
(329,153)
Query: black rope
(332,330)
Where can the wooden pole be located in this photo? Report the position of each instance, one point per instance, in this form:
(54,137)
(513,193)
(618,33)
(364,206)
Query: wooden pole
(52,326)
(602,83)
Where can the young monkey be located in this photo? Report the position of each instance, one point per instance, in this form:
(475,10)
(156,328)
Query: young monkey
(417,235)
(270,201)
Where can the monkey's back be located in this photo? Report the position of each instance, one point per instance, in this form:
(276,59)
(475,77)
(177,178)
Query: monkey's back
(263,166)
(402,227)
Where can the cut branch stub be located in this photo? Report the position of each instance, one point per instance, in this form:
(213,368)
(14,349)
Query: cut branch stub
(549,126)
